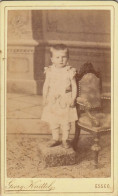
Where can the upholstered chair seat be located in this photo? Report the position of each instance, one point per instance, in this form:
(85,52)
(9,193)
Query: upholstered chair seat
(104,120)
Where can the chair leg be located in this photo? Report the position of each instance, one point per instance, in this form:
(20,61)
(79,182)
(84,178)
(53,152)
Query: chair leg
(96,148)
(76,137)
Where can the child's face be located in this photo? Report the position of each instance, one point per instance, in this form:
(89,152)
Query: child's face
(59,58)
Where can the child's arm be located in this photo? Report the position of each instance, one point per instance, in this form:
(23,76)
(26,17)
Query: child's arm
(74,91)
(73,85)
(46,85)
(45,90)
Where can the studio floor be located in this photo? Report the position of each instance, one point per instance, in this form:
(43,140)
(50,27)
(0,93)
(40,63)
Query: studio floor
(25,132)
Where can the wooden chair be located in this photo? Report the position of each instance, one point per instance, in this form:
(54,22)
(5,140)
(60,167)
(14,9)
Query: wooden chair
(89,107)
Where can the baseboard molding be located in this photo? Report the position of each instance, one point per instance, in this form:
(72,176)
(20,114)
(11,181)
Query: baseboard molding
(77,44)
(73,44)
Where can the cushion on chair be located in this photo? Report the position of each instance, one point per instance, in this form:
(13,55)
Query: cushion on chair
(103,118)
(90,89)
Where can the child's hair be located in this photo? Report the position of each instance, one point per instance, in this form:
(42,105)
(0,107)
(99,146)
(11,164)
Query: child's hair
(59,47)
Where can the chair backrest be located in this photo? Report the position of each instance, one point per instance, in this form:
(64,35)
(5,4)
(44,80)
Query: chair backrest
(89,85)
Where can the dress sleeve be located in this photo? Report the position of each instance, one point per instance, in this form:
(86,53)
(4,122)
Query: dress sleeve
(47,71)
(73,72)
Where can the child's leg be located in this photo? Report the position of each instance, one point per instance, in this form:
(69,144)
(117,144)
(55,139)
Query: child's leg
(65,134)
(65,131)
(55,135)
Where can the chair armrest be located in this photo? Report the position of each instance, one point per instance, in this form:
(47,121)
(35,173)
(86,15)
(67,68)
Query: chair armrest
(83,102)
(106,95)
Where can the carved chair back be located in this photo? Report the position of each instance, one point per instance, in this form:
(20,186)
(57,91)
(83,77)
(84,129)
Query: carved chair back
(89,86)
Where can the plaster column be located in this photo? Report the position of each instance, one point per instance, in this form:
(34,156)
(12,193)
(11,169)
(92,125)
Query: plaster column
(22,48)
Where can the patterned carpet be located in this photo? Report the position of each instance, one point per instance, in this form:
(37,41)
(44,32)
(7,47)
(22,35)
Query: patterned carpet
(24,161)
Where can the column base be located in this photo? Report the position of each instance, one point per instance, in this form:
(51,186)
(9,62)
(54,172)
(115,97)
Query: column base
(25,86)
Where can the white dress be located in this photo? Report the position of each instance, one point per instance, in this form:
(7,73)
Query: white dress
(58,110)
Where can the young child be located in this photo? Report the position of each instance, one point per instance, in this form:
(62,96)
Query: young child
(59,94)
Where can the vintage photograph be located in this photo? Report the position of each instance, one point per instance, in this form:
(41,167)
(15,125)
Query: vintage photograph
(58,93)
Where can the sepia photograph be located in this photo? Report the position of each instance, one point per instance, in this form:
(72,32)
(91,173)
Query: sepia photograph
(59,98)
(58,93)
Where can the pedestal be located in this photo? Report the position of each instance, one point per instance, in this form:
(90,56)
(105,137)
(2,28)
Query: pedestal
(57,156)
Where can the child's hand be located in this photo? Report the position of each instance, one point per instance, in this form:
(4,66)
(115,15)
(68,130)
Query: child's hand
(72,105)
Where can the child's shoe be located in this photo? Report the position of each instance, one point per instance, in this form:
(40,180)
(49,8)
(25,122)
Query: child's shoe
(54,143)
(65,144)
